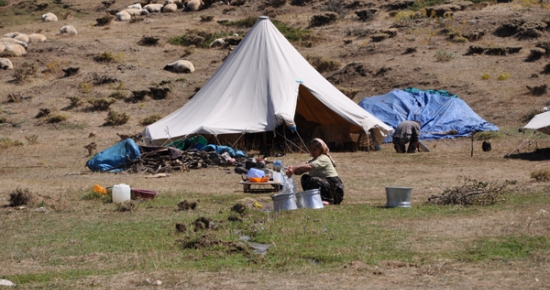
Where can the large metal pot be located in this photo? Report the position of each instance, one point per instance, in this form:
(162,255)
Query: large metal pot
(284,201)
(397,196)
(309,199)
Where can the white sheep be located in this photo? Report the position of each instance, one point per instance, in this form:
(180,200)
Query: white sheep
(22,37)
(11,34)
(136,12)
(49,17)
(37,38)
(123,16)
(220,42)
(9,41)
(180,66)
(135,6)
(194,5)
(179,3)
(170,8)
(5,64)
(153,7)
(68,29)
(15,50)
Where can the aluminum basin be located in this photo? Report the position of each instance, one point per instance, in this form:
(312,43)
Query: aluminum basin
(309,199)
(398,196)
(284,201)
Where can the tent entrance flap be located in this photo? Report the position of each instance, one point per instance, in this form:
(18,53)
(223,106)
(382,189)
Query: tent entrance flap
(313,110)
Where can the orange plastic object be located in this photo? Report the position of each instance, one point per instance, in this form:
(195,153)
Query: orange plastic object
(258,179)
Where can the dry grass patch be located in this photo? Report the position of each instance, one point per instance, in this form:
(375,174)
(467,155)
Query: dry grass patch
(541,175)
(116,118)
(105,20)
(75,102)
(444,55)
(57,118)
(24,72)
(150,120)
(101,104)
(6,142)
(322,64)
(109,57)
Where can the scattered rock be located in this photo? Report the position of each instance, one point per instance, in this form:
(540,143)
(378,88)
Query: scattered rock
(185,205)
(203,223)
(4,282)
(410,50)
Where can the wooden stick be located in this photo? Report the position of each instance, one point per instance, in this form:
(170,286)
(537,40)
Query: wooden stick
(472,151)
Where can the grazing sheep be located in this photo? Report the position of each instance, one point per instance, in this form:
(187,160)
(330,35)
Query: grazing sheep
(68,29)
(49,17)
(22,37)
(194,5)
(135,6)
(180,66)
(137,12)
(15,50)
(123,16)
(37,38)
(9,41)
(153,7)
(170,8)
(220,42)
(5,64)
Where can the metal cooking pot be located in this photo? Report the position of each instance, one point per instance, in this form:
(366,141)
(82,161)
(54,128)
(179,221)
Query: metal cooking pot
(284,201)
(309,199)
(397,196)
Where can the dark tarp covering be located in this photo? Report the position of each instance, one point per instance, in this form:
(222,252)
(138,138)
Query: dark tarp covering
(438,111)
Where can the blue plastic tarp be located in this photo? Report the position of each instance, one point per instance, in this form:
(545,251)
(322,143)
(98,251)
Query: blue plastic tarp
(221,149)
(438,111)
(115,158)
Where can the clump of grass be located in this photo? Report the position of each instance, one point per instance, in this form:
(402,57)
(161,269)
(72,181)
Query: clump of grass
(32,139)
(503,76)
(75,101)
(118,95)
(109,57)
(207,18)
(58,118)
(128,205)
(404,18)
(247,22)
(485,76)
(444,55)
(20,197)
(323,19)
(460,39)
(275,3)
(541,175)
(150,120)
(85,87)
(105,20)
(101,104)
(336,6)
(6,142)
(24,72)
(197,38)
(116,118)
(488,135)
(349,92)
(322,64)
(4,3)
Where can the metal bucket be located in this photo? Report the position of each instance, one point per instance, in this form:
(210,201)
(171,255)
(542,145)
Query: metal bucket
(309,199)
(284,201)
(397,196)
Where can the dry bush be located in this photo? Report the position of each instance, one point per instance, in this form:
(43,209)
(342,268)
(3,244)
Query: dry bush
(99,80)
(6,142)
(150,120)
(365,14)
(444,55)
(323,19)
(238,2)
(159,93)
(274,3)
(23,72)
(336,6)
(17,97)
(149,41)
(137,96)
(207,18)
(116,119)
(536,54)
(109,57)
(189,50)
(128,205)
(105,20)
(58,118)
(537,90)
(541,175)
(322,64)
(20,197)
(118,95)
(349,92)
(42,112)
(471,192)
(32,139)
(136,19)
(101,104)
(546,69)
(75,102)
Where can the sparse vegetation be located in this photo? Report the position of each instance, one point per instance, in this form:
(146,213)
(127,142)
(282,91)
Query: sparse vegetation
(75,101)
(150,120)
(85,87)
(530,114)
(207,18)
(503,76)
(105,20)
(197,38)
(149,41)
(444,55)
(109,57)
(32,139)
(4,3)
(336,6)
(118,95)
(6,142)
(322,64)
(485,76)
(58,118)
(404,18)
(24,72)
(275,3)
(541,175)
(101,104)
(323,19)
(116,118)
(20,197)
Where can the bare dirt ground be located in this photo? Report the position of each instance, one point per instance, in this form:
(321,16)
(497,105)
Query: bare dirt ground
(54,166)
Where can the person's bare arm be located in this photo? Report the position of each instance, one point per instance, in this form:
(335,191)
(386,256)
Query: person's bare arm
(298,169)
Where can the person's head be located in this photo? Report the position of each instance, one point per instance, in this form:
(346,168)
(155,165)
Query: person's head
(317,147)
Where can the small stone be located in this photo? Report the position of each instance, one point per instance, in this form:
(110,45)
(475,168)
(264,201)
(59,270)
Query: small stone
(4,282)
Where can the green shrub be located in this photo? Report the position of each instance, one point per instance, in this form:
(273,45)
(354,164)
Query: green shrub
(150,120)
(116,119)
(485,76)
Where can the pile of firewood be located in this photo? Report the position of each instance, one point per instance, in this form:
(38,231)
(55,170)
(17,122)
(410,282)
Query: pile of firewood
(163,161)
(472,192)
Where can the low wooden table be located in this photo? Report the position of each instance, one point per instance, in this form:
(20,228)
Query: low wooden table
(273,186)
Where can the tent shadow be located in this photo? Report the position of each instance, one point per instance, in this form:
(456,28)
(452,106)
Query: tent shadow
(537,155)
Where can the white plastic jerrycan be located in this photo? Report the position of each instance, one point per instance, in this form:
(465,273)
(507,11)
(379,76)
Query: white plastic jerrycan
(121,192)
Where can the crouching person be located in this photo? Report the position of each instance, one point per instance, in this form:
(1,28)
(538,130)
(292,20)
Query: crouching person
(406,132)
(322,173)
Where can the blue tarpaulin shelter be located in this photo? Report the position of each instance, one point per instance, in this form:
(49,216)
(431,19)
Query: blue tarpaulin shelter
(115,158)
(438,111)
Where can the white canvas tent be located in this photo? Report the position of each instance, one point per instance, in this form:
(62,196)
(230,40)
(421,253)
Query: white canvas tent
(540,122)
(262,84)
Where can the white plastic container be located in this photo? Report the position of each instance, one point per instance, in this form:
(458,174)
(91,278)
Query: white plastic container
(277,177)
(121,193)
